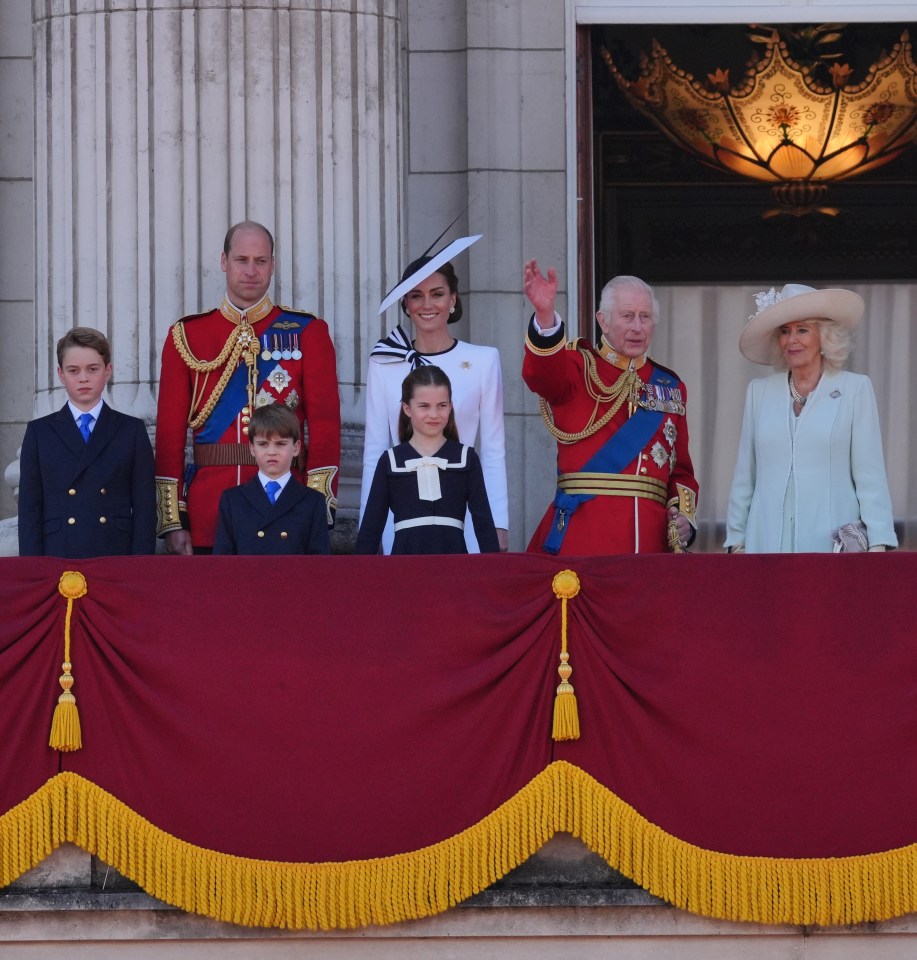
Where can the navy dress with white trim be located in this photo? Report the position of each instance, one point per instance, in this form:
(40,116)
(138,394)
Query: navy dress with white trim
(428,497)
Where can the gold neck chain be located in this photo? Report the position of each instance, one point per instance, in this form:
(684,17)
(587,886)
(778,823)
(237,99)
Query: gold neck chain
(624,388)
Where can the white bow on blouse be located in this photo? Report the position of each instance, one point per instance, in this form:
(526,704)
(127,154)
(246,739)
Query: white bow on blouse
(427,470)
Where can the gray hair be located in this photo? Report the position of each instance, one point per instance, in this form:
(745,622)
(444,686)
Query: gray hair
(835,340)
(610,293)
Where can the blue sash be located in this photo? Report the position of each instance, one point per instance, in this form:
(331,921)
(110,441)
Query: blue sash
(620,449)
(235,394)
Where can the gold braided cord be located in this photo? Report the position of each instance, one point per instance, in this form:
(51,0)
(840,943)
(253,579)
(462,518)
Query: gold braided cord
(240,341)
(203,366)
(622,389)
(827,891)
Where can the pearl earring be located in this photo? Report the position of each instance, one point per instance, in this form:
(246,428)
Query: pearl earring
(451,309)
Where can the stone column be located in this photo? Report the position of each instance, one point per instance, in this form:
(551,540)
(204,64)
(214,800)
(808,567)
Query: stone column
(158,124)
(487,127)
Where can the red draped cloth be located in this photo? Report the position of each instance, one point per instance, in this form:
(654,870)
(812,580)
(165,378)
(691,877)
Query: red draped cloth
(759,705)
(315,710)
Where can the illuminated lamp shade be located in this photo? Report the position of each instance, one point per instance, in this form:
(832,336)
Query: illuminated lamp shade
(778,124)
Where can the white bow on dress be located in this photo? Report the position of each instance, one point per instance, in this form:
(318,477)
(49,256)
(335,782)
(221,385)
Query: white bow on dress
(427,470)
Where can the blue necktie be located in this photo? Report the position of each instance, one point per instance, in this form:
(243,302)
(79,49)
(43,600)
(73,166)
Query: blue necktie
(85,420)
(271,488)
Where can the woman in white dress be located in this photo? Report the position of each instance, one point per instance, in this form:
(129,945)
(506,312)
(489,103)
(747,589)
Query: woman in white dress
(431,301)
(810,473)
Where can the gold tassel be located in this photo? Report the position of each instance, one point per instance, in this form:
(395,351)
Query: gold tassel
(566,715)
(66,734)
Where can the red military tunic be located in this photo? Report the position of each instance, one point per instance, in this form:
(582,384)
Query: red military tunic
(304,378)
(620,523)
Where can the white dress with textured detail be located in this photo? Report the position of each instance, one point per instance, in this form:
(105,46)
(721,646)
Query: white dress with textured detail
(831,455)
(477,396)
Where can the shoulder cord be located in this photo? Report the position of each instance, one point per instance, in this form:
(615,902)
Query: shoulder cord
(241,340)
(616,394)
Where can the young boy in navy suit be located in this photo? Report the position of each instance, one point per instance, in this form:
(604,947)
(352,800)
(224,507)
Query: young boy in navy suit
(86,478)
(273,513)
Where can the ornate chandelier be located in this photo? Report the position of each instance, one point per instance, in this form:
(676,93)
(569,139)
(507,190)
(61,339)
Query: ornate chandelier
(779,123)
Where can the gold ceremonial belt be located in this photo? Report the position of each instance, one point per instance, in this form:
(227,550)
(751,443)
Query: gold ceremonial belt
(613,485)
(223,455)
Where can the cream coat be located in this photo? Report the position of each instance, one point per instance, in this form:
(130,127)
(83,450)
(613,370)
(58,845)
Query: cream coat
(835,461)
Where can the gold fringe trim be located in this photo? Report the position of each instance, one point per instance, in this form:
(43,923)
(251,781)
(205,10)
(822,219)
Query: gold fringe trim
(422,883)
(824,891)
(266,893)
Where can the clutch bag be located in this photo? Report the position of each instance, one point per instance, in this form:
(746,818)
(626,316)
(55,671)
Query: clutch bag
(850,538)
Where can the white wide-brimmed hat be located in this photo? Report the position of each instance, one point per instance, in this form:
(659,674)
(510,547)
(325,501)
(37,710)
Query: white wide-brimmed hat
(794,302)
(427,266)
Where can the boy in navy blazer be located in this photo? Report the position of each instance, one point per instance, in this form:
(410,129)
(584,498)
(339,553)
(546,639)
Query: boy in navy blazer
(86,477)
(273,513)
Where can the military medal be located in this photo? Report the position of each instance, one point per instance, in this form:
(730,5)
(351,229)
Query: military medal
(266,352)
(296,354)
(279,379)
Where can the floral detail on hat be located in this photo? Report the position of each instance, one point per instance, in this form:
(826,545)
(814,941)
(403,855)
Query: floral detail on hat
(670,431)
(658,454)
(765,299)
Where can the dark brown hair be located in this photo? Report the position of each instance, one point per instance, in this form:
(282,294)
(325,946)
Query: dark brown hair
(84,337)
(448,271)
(274,419)
(246,225)
(425,376)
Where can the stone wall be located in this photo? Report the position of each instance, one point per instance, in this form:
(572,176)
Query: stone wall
(564,901)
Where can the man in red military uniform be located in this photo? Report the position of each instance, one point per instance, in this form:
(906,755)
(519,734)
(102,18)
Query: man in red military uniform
(216,368)
(625,481)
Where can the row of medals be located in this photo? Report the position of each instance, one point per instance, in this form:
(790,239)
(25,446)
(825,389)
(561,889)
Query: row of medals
(280,346)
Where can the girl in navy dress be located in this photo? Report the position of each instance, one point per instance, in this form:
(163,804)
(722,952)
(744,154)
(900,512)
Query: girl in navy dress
(429,479)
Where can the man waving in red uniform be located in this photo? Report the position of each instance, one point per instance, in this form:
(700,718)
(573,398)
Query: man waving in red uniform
(625,481)
(216,368)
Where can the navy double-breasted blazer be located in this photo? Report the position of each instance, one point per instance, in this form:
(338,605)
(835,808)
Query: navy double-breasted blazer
(86,499)
(248,523)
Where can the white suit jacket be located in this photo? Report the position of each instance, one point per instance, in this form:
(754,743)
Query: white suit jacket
(834,459)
